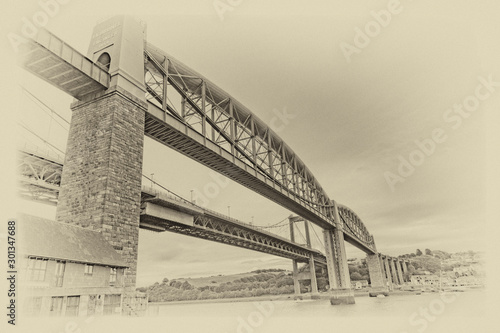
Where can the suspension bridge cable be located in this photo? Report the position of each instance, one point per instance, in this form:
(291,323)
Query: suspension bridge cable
(169,191)
(278,231)
(275,225)
(45,105)
(300,232)
(319,239)
(44,141)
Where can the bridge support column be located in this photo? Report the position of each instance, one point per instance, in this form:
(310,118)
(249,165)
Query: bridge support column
(296,282)
(400,272)
(405,270)
(312,266)
(314,282)
(101,177)
(393,271)
(388,273)
(377,279)
(336,260)
(384,274)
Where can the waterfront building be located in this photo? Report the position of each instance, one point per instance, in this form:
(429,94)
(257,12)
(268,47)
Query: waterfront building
(67,270)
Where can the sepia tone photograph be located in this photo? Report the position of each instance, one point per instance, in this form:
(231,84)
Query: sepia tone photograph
(250,166)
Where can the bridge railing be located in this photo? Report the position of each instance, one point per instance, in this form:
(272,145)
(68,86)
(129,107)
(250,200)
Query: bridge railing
(30,148)
(171,195)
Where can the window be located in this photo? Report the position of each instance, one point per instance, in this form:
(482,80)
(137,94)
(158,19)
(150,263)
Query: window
(112,277)
(72,305)
(111,302)
(89,269)
(36,269)
(60,266)
(56,306)
(104,60)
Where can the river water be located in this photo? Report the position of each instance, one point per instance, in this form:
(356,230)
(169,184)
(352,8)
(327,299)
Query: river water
(429,312)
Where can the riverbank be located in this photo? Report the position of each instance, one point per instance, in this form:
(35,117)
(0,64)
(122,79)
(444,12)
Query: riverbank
(287,297)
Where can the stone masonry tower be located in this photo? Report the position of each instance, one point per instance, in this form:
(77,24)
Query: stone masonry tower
(101,179)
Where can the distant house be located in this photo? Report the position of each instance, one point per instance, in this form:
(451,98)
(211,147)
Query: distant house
(469,281)
(359,284)
(425,280)
(68,270)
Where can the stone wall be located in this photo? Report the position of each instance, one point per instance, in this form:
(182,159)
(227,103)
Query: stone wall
(101,178)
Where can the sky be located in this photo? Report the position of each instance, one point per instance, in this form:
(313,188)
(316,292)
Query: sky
(372,90)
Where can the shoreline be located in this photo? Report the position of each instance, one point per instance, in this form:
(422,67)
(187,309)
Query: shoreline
(287,297)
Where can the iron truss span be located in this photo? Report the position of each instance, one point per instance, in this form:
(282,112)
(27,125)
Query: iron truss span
(39,177)
(206,224)
(201,121)
(352,225)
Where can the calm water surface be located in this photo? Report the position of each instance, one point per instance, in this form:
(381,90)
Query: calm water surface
(429,312)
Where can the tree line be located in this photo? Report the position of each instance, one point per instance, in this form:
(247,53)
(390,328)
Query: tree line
(262,283)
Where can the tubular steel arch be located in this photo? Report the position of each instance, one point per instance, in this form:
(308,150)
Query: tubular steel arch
(354,227)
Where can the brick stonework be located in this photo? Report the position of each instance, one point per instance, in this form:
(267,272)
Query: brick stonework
(374,268)
(388,272)
(400,272)
(393,271)
(101,178)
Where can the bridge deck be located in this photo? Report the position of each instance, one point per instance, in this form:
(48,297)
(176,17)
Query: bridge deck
(49,58)
(210,225)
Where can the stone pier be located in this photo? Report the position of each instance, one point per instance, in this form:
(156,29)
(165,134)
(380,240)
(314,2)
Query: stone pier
(390,281)
(101,178)
(336,259)
(394,272)
(377,278)
(400,271)
(404,263)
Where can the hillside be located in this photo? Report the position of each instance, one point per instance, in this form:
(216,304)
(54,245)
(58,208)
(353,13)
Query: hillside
(256,283)
(278,281)
(217,280)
